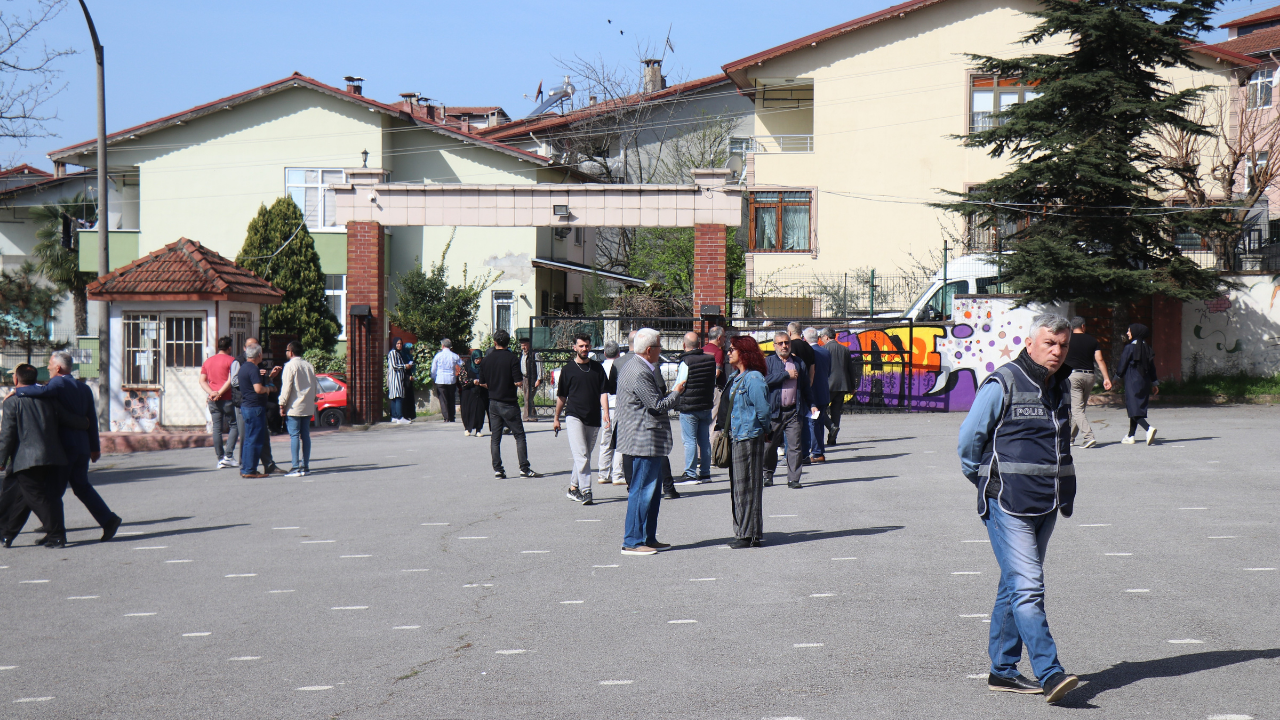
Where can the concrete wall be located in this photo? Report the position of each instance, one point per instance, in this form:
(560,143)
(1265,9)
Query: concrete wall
(1236,332)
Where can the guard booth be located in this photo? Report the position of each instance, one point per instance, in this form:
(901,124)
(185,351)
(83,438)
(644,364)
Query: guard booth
(167,311)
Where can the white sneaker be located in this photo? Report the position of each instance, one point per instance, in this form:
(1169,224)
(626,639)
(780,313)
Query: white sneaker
(296,473)
(1090,443)
(467,433)
(1151,435)
(406,421)
(1126,440)
(227,462)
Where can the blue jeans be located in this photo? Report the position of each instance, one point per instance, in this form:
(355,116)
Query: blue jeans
(397,408)
(643,499)
(817,438)
(1018,617)
(695,429)
(300,430)
(255,434)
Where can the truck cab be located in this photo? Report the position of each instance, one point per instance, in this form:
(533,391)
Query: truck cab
(967,275)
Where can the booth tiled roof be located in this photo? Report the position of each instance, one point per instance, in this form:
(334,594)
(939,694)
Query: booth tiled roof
(184,270)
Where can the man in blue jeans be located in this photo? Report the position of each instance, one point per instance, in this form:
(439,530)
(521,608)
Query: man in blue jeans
(1015,446)
(253,408)
(698,372)
(297,405)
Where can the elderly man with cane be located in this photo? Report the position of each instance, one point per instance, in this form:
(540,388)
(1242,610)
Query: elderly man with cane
(1015,446)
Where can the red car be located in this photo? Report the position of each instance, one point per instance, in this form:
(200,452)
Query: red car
(331,401)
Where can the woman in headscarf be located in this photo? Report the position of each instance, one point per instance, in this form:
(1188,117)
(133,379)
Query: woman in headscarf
(1138,368)
(397,381)
(474,399)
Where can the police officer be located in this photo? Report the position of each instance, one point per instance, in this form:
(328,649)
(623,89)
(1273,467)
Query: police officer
(1015,446)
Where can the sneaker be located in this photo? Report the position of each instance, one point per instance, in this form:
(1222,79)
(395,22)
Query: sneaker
(794,485)
(687,480)
(296,473)
(638,550)
(1015,684)
(671,494)
(1151,435)
(499,474)
(529,473)
(467,433)
(740,543)
(603,480)
(574,494)
(620,481)
(1058,685)
(586,498)
(768,479)
(407,421)
(705,478)
(1089,444)
(227,462)
(1126,440)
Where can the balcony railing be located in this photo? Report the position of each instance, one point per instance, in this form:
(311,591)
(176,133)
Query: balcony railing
(772,144)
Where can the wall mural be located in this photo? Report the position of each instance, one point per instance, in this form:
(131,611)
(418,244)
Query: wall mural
(1234,333)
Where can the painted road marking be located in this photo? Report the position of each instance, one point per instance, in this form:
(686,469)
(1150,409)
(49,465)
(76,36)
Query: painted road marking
(603,566)
(1194,508)
(350,607)
(1213,462)
(1188,641)
(534,552)
(572,602)
(975,541)
(772,516)
(7,667)
(681,622)
(1138,590)
(823,595)
(177,561)
(31,582)
(316,542)
(426,524)
(406,627)
(616,682)
(272,592)
(139,614)
(152,547)
(83,597)
(245,658)
(1230,717)
(804,645)
(127,534)
(34,699)
(353,556)
(291,527)
(966,572)
(309,688)
(199,634)
(1258,569)
(845,558)
(701,579)
(977,615)
(1223,537)
(474,537)
(416,570)
(976,677)
(588,520)
(242,575)
(509,652)
(1097,525)
(1117,554)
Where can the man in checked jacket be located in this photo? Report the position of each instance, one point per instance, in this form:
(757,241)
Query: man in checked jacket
(644,433)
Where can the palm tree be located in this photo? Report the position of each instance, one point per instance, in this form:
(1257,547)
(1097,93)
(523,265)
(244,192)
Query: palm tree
(58,259)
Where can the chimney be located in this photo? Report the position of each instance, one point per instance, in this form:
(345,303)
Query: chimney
(591,99)
(355,84)
(653,80)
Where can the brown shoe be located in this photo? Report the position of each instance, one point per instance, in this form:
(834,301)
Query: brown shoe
(659,545)
(638,550)
(819,458)
(254,475)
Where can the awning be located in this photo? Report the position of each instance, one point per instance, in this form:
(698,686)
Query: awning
(573,267)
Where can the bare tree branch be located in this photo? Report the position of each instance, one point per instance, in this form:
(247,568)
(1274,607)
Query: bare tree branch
(28,75)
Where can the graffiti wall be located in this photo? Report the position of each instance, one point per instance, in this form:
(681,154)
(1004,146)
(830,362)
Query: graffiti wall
(1233,333)
(934,368)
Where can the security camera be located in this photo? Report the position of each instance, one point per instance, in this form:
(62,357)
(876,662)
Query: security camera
(373,197)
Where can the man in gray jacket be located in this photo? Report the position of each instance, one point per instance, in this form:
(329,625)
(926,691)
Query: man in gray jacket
(644,434)
(844,380)
(31,453)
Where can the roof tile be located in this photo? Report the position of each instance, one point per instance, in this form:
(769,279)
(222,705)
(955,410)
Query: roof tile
(184,268)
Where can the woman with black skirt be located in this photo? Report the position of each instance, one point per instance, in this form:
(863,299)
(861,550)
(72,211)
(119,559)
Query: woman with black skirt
(474,399)
(1138,369)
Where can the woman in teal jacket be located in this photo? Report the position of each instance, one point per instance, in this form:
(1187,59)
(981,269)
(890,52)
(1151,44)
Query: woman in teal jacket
(749,422)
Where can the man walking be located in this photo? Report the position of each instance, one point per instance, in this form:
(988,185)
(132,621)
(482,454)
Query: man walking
(444,373)
(297,405)
(532,371)
(820,394)
(1081,356)
(610,462)
(802,350)
(644,433)
(80,443)
(1016,449)
(500,375)
(788,380)
(584,391)
(215,379)
(843,380)
(253,411)
(698,372)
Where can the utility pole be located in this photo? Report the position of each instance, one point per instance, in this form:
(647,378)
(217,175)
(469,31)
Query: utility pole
(104,236)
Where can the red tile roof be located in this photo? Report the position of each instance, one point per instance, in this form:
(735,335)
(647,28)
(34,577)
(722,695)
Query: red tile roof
(1260,41)
(1258,17)
(549,121)
(24,169)
(184,270)
(465,110)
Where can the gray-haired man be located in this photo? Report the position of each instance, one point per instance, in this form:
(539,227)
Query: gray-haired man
(1015,446)
(610,462)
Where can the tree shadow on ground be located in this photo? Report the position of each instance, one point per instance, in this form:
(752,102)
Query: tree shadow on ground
(1127,673)
(789,538)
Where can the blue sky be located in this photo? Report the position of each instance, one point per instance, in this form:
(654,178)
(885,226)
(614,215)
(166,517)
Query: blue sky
(163,57)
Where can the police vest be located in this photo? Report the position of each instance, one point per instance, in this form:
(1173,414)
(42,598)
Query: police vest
(1030,450)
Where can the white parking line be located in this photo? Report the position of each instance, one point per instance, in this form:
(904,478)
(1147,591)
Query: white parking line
(474,537)
(976,615)
(350,607)
(534,552)
(291,527)
(1096,525)
(700,579)
(83,597)
(31,582)
(975,541)
(416,570)
(316,542)
(429,524)
(1187,641)
(1138,590)
(590,520)
(773,516)
(242,575)
(139,614)
(316,687)
(152,547)
(1223,537)
(245,658)
(199,634)
(681,622)
(1258,569)
(7,667)
(805,645)
(34,699)
(966,572)
(845,558)
(273,592)
(177,561)
(406,627)
(353,556)
(509,652)
(1230,717)
(616,682)
(823,595)
(603,566)
(1117,554)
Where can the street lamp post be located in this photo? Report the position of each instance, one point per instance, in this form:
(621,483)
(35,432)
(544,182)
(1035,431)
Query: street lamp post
(104,236)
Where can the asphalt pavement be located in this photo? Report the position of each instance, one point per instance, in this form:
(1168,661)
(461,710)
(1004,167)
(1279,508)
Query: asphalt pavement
(401,580)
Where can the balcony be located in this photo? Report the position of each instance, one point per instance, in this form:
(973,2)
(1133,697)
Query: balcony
(771,144)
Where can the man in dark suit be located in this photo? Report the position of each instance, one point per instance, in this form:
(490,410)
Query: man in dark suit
(81,446)
(32,455)
(788,380)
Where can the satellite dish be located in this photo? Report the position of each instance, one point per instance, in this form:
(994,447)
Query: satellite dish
(734,164)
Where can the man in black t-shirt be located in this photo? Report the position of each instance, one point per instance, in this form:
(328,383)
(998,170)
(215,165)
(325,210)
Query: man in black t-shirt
(1082,353)
(500,375)
(584,391)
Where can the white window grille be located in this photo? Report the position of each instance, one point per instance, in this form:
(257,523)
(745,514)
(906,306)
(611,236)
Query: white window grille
(309,188)
(141,349)
(504,310)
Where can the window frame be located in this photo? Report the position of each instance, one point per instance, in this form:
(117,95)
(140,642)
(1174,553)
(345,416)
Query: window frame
(131,378)
(509,301)
(1254,86)
(999,84)
(779,204)
(184,341)
(237,333)
(323,197)
(341,294)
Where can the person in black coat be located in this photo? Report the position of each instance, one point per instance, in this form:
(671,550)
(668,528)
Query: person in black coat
(1138,370)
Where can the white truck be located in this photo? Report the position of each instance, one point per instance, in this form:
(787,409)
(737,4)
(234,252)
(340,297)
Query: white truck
(967,275)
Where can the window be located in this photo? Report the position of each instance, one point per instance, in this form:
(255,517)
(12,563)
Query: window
(141,349)
(939,306)
(779,222)
(1259,92)
(990,94)
(326,385)
(504,310)
(310,190)
(238,330)
(183,342)
(335,291)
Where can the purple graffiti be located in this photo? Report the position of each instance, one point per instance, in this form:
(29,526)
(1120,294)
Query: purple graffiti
(959,354)
(1017,340)
(991,367)
(961,331)
(986,328)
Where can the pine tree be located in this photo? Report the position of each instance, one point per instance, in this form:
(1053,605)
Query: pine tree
(1085,184)
(279,249)
(26,307)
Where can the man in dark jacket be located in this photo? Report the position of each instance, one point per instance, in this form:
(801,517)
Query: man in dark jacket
(500,375)
(81,446)
(531,371)
(844,380)
(788,380)
(698,369)
(1015,446)
(32,454)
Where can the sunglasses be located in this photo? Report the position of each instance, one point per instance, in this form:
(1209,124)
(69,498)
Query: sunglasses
(781,342)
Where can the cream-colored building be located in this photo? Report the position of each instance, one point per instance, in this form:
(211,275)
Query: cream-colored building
(858,127)
(204,172)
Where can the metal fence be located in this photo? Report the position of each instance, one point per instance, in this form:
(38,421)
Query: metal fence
(861,293)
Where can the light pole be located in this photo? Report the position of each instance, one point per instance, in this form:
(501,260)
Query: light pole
(104,236)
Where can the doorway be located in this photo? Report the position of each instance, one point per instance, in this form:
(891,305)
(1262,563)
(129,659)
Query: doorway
(184,402)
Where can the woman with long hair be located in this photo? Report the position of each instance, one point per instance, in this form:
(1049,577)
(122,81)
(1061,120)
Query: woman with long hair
(1138,369)
(473,398)
(748,428)
(397,380)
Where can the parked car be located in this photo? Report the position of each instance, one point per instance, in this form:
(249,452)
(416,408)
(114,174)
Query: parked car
(331,401)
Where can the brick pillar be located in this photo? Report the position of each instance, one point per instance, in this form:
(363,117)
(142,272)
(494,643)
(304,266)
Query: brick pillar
(708,267)
(366,346)
(1166,336)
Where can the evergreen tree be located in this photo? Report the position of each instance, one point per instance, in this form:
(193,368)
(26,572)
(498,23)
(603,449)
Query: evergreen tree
(26,307)
(279,249)
(59,263)
(1085,186)
(432,309)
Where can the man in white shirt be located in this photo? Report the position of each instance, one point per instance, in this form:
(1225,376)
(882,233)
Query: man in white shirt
(297,405)
(444,373)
